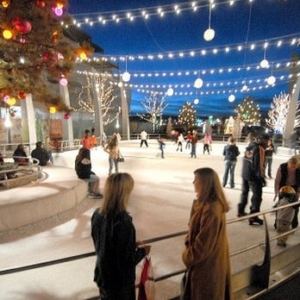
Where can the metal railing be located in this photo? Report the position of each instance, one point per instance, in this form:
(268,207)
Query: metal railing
(260,274)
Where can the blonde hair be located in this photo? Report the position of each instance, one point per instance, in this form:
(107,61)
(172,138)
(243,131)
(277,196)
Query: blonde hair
(294,160)
(117,190)
(211,189)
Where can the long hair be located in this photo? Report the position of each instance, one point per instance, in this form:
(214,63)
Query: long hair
(117,190)
(82,153)
(113,143)
(211,189)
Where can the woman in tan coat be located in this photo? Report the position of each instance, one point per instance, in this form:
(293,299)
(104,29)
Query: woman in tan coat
(206,255)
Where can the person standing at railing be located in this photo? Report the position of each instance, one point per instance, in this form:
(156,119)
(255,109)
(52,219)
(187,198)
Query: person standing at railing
(118,252)
(206,253)
(289,174)
(49,147)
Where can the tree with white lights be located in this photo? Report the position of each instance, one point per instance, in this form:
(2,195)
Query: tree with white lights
(248,112)
(278,113)
(187,115)
(154,106)
(86,99)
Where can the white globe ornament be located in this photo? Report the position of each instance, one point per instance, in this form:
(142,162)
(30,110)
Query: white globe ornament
(264,64)
(126,76)
(231,98)
(244,88)
(198,83)
(170,92)
(209,34)
(196,101)
(120,84)
(271,80)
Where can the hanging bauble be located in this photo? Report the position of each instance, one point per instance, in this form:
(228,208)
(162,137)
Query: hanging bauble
(41,3)
(196,101)
(66,116)
(7,34)
(198,83)
(271,80)
(52,110)
(231,98)
(170,92)
(209,34)
(50,59)
(21,25)
(63,81)
(5,3)
(22,95)
(22,40)
(126,76)
(11,101)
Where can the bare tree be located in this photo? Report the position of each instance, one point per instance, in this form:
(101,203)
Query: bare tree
(86,98)
(154,106)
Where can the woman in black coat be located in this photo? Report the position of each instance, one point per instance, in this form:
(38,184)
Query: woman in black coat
(115,243)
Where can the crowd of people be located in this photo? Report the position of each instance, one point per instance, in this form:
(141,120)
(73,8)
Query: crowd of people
(206,249)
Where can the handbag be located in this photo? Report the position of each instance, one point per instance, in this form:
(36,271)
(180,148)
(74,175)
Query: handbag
(185,286)
(146,286)
(120,159)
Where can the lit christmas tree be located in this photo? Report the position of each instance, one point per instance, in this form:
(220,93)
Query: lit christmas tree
(278,113)
(33,49)
(248,112)
(86,100)
(154,106)
(187,115)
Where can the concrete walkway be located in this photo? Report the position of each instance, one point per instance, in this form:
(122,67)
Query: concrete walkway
(160,205)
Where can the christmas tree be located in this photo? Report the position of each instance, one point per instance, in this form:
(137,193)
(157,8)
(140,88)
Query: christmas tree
(33,50)
(187,115)
(248,112)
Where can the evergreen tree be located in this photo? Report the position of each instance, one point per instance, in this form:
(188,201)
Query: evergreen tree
(248,112)
(33,49)
(187,115)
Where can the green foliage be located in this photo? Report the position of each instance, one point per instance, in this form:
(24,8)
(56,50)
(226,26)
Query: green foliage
(187,115)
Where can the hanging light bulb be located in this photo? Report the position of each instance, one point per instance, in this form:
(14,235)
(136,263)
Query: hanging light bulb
(196,101)
(264,64)
(120,84)
(198,83)
(126,75)
(271,80)
(209,33)
(170,92)
(231,98)
(244,88)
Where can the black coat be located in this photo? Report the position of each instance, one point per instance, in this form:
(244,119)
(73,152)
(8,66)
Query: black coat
(231,152)
(117,254)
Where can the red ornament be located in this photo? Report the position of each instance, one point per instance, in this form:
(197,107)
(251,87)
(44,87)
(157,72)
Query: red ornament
(66,116)
(50,59)
(21,25)
(41,3)
(22,95)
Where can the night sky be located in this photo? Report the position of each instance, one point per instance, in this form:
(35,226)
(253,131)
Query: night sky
(262,22)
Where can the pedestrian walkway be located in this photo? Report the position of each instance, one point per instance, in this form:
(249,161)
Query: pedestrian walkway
(160,205)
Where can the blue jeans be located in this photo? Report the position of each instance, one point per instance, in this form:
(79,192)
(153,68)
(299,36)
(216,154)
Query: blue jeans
(112,162)
(229,169)
(193,151)
(268,165)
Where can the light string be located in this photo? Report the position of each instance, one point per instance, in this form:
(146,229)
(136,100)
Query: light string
(103,18)
(277,42)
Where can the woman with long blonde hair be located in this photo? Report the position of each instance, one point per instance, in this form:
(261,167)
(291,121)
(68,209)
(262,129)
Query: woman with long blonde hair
(115,243)
(206,254)
(112,148)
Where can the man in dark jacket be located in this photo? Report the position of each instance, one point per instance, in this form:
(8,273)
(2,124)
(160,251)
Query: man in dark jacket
(253,178)
(40,153)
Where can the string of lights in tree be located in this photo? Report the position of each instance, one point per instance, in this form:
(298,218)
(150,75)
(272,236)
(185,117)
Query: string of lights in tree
(187,114)
(248,112)
(278,113)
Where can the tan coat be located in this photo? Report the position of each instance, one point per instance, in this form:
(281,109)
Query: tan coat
(207,253)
